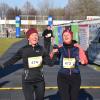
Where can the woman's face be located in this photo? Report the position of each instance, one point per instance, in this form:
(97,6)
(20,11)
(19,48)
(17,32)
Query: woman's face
(67,38)
(33,39)
(49,28)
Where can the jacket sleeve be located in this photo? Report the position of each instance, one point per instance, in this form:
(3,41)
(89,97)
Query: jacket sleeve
(47,59)
(13,59)
(43,34)
(52,33)
(82,55)
(55,57)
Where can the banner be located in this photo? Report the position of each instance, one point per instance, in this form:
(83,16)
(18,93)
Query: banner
(60,41)
(50,20)
(84,36)
(55,33)
(18,23)
(75,29)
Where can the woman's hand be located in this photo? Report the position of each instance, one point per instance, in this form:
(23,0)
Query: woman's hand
(82,55)
(54,51)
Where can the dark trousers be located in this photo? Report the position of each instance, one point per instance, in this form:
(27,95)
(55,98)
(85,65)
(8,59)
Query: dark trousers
(69,86)
(33,91)
(47,45)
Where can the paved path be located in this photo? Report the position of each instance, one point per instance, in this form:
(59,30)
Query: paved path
(11,77)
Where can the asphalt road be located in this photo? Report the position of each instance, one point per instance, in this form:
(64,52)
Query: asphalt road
(11,78)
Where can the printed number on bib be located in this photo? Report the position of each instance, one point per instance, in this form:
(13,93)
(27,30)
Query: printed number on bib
(49,35)
(34,61)
(68,62)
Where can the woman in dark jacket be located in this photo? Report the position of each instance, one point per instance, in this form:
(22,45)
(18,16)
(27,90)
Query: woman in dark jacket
(34,56)
(69,79)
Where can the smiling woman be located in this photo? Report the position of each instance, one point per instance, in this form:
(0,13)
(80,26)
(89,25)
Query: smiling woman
(70,57)
(34,56)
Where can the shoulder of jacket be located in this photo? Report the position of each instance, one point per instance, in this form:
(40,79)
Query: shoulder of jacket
(75,47)
(74,41)
(26,46)
(61,49)
(39,46)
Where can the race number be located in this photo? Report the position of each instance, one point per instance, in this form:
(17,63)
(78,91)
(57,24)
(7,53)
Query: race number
(49,35)
(68,62)
(34,61)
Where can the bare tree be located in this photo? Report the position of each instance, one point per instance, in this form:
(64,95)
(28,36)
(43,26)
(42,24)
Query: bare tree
(12,12)
(17,11)
(59,13)
(79,9)
(45,7)
(88,7)
(8,12)
(3,10)
(28,9)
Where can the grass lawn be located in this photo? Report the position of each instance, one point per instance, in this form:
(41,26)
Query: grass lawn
(5,43)
(96,67)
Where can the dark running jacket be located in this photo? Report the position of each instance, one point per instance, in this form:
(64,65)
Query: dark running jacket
(68,51)
(32,68)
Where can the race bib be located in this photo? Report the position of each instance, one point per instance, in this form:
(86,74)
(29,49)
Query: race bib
(49,35)
(34,61)
(69,62)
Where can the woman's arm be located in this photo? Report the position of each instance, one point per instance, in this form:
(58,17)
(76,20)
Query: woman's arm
(82,55)
(12,60)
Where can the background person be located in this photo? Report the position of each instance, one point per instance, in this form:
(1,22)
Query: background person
(48,37)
